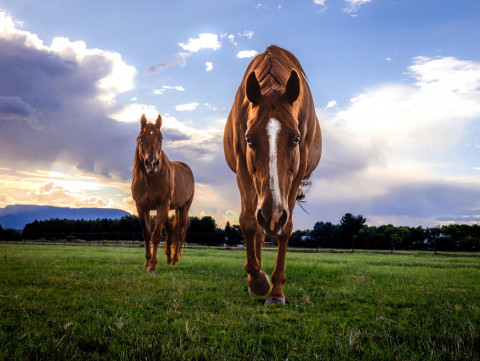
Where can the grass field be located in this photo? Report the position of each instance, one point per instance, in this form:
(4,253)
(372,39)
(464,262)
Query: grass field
(60,302)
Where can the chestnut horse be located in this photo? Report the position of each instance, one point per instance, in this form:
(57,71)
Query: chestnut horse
(273,142)
(162,185)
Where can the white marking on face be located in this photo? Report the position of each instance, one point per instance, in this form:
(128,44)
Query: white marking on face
(273,128)
(151,132)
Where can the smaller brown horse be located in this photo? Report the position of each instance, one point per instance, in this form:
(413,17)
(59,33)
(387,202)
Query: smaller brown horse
(162,185)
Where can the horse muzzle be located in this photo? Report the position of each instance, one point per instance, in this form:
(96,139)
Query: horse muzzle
(272,223)
(151,165)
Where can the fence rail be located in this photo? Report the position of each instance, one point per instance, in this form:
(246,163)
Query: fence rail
(126,239)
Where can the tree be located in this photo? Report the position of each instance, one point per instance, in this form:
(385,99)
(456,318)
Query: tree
(324,234)
(469,243)
(233,235)
(350,225)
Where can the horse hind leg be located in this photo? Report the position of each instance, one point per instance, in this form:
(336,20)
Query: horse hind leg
(168,241)
(182,222)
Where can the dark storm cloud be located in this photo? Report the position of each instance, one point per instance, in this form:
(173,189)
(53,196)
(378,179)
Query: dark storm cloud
(173,135)
(14,106)
(52,109)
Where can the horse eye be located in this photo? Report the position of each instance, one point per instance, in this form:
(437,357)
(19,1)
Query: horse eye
(249,141)
(297,139)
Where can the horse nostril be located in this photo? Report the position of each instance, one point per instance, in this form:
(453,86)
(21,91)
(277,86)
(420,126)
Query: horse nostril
(283,219)
(156,162)
(261,220)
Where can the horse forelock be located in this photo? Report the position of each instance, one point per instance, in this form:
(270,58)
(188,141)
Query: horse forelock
(273,69)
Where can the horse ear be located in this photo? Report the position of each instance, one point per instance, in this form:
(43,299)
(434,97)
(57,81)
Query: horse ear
(292,89)
(143,121)
(158,122)
(254,94)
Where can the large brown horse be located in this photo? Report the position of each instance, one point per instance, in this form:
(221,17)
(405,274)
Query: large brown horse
(273,142)
(162,185)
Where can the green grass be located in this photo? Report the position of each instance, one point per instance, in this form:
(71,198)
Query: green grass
(60,302)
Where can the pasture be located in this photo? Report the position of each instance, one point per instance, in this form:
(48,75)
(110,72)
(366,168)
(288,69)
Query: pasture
(63,302)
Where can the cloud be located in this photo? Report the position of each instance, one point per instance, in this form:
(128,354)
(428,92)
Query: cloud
(55,100)
(246,54)
(231,39)
(396,143)
(249,34)
(180,59)
(260,6)
(353,5)
(319,2)
(165,89)
(204,41)
(186,107)
(70,188)
(208,66)
(210,106)
(331,104)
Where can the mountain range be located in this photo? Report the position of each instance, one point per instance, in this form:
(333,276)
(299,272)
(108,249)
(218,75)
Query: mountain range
(17,216)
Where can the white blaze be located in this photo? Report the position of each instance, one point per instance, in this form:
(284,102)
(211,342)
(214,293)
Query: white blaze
(273,128)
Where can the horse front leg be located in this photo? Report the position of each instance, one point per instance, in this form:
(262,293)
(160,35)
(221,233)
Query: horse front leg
(259,240)
(162,217)
(278,276)
(258,281)
(144,217)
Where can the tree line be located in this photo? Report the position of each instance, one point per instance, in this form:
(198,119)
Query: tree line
(350,233)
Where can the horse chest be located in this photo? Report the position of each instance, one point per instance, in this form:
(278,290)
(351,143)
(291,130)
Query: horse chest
(151,195)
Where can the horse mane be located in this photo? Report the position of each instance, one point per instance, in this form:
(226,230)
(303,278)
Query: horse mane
(137,161)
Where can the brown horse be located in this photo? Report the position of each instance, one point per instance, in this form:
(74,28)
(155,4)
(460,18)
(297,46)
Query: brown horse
(273,142)
(161,185)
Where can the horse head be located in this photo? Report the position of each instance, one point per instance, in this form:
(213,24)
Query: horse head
(149,144)
(273,150)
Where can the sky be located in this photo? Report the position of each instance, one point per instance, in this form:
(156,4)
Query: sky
(396,86)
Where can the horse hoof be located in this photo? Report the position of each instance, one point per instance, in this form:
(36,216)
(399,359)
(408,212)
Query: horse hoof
(261,286)
(274,301)
(152,271)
